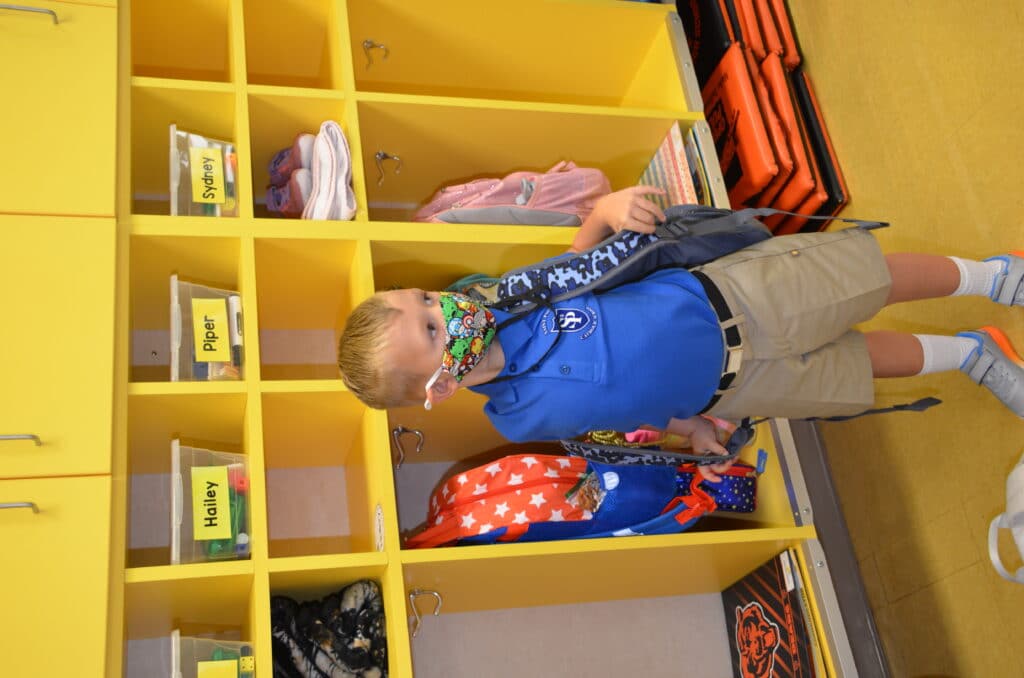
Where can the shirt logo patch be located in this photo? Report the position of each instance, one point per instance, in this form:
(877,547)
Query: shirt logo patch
(571,321)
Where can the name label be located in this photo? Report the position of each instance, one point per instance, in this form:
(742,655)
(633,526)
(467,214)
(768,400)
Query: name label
(211,509)
(211,331)
(207,169)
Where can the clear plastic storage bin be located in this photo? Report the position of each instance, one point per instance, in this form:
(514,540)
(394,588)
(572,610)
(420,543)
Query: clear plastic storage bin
(203,175)
(206,333)
(209,505)
(189,657)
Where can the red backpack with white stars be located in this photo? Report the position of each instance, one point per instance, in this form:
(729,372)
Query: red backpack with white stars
(536,497)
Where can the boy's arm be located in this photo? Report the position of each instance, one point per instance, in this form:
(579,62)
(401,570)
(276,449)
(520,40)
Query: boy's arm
(626,209)
(703,440)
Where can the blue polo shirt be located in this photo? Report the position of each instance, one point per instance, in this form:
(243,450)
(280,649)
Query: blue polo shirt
(641,353)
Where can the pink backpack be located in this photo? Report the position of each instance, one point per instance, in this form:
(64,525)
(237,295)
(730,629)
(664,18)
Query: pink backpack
(562,196)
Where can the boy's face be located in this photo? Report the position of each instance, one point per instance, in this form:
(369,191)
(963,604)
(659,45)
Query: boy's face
(416,336)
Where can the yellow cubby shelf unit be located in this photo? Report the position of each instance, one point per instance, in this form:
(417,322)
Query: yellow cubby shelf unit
(457,89)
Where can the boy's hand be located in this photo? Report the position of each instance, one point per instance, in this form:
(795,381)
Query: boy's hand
(628,209)
(705,441)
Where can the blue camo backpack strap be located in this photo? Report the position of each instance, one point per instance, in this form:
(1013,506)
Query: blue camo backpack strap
(691,235)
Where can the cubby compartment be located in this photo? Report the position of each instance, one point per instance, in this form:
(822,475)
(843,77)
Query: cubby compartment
(441,144)
(323,488)
(213,262)
(209,112)
(429,448)
(213,606)
(562,603)
(188,40)
(322,577)
(604,54)
(275,120)
(211,421)
(305,291)
(292,43)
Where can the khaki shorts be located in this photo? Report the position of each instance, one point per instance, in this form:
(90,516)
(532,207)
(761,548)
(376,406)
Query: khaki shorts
(799,296)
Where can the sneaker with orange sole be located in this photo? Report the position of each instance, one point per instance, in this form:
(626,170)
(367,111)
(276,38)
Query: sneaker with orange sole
(1008,287)
(996,366)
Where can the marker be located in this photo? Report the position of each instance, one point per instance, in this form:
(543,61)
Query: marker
(235,328)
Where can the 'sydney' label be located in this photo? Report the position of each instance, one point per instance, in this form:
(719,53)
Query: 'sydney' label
(207,169)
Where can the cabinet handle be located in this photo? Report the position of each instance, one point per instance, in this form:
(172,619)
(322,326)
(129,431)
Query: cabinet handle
(370,44)
(380,157)
(23,8)
(396,435)
(21,504)
(22,436)
(416,593)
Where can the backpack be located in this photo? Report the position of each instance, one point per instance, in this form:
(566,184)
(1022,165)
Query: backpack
(563,196)
(536,497)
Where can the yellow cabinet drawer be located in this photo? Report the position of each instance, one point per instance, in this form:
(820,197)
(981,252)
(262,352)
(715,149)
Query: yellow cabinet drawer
(53,576)
(59,124)
(57,292)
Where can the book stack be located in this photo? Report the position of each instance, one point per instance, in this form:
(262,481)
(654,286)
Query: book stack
(768,618)
(771,139)
(678,169)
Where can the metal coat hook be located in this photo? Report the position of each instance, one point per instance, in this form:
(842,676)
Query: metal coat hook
(369,44)
(380,157)
(415,593)
(396,435)
(23,8)
(26,436)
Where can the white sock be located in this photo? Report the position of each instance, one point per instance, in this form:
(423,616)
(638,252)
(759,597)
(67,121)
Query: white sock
(976,277)
(942,354)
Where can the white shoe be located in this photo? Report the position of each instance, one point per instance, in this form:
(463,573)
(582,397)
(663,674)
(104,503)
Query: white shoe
(332,196)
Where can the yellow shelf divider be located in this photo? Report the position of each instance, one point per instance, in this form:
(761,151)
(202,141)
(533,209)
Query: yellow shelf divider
(295,92)
(682,115)
(303,386)
(335,561)
(259,618)
(171,573)
(164,388)
(149,82)
(236,44)
(397,622)
(243,149)
(606,545)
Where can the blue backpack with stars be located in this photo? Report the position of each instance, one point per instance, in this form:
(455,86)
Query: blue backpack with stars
(536,497)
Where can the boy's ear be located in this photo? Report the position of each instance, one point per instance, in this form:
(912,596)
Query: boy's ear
(443,389)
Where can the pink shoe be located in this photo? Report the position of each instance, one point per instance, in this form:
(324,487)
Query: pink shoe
(332,196)
(291,198)
(287,160)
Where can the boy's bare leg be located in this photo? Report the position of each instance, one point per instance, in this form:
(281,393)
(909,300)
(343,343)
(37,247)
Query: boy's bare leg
(894,354)
(921,276)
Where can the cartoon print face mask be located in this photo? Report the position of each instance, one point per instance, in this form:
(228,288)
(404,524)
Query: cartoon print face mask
(470,329)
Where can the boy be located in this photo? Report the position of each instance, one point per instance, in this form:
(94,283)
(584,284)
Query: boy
(760,332)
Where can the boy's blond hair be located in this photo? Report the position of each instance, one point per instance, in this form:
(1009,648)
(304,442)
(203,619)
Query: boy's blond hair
(360,357)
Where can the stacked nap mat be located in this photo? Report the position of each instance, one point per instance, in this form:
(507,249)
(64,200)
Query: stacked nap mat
(769,133)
